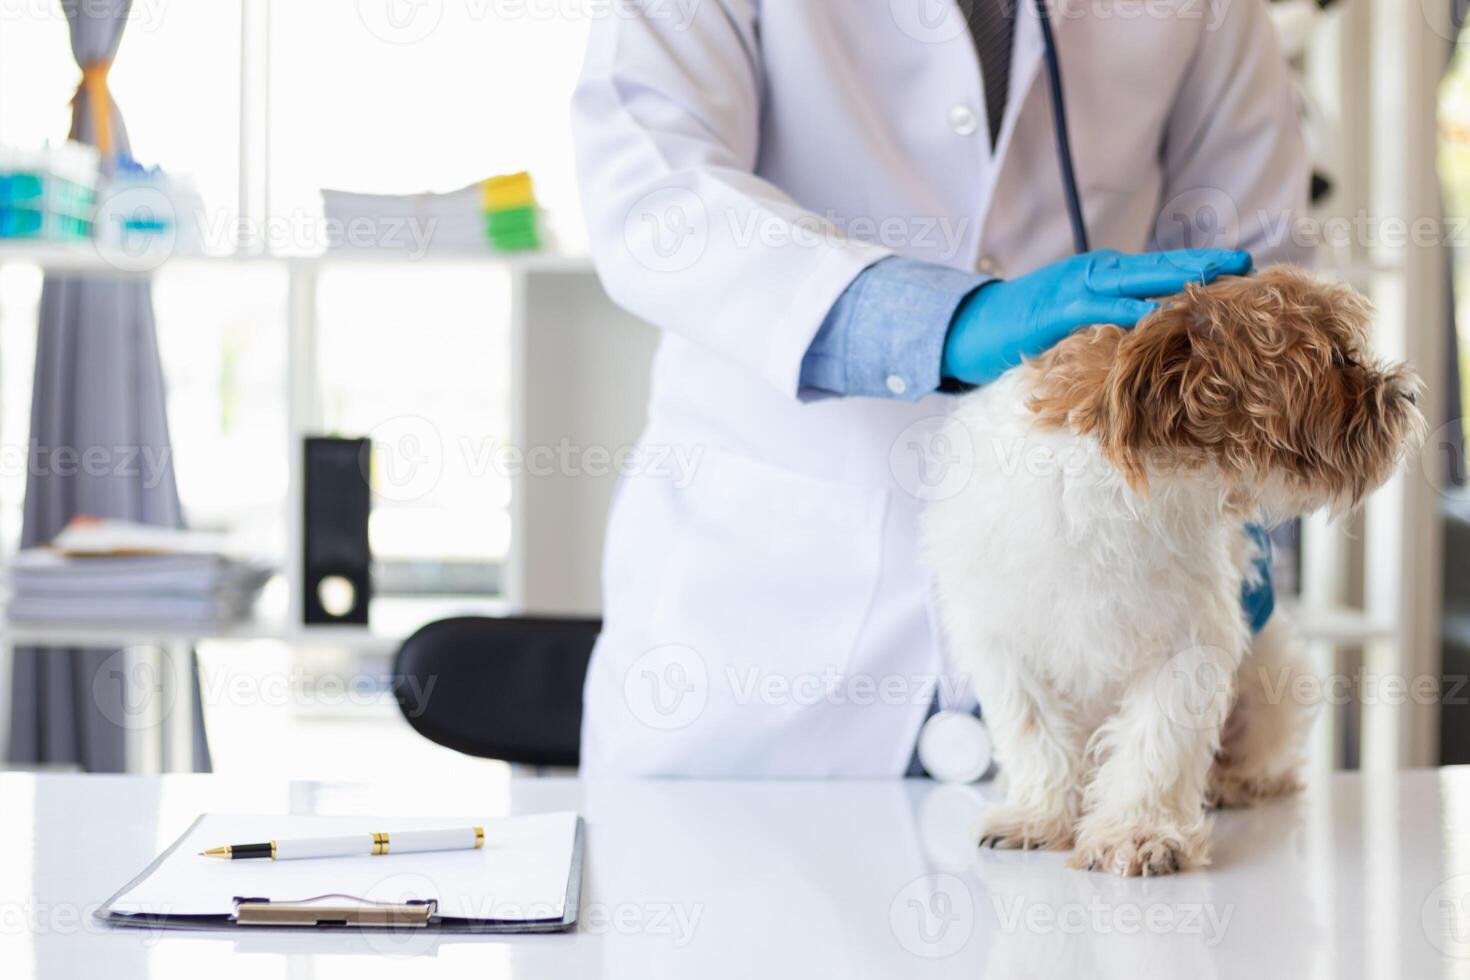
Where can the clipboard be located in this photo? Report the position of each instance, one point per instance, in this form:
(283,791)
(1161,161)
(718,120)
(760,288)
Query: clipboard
(454,892)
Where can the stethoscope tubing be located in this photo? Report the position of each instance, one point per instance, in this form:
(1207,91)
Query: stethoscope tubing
(1064,139)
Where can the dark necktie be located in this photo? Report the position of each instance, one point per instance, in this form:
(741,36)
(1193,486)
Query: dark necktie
(993,28)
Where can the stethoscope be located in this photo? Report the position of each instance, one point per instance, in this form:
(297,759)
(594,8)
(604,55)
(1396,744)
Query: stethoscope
(1059,123)
(954,746)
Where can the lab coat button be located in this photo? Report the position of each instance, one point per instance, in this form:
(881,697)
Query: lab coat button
(963,120)
(897,385)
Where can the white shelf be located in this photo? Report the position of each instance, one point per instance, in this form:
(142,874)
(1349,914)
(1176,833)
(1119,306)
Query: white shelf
(568,297)
(356,638)
(393,621)
(87,258)
(1337,626)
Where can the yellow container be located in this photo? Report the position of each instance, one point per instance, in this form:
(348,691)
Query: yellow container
(509,191)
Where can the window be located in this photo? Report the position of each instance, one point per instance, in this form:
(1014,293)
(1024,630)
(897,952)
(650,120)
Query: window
(396,97)
(419,359)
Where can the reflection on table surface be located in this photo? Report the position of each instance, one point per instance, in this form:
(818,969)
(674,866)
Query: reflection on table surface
(1360,877)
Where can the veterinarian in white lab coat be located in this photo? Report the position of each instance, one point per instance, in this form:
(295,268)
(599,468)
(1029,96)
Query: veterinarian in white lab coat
(804,195)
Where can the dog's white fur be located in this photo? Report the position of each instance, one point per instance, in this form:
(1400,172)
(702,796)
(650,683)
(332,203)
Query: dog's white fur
(1104,634)
(1090,572)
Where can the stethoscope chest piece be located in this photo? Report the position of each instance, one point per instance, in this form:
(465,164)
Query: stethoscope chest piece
(954,747)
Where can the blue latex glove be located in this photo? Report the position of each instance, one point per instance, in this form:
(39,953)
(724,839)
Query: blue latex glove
(1258,599)
(1004,321)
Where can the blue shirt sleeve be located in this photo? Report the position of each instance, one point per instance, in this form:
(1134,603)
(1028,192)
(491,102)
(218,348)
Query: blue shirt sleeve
(884,337)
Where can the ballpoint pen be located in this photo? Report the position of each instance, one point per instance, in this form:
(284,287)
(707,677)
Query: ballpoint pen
(355,845)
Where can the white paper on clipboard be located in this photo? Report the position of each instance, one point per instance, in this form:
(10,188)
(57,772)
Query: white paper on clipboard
(521,874)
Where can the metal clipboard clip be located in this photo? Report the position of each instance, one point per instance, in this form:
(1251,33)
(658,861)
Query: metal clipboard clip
(334,910)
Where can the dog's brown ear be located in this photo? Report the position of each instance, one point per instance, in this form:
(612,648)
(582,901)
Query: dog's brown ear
(1167,391)
(1068,384)
(1183,393)
(1122,388)
(1143,395)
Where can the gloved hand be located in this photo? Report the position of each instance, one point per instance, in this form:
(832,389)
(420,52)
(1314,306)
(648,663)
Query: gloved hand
(1258,598)
(1004,321)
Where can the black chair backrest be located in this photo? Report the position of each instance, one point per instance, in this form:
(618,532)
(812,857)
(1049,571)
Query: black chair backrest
(499,688)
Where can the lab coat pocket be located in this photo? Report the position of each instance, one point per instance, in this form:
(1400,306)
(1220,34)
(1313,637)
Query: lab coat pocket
(773,571)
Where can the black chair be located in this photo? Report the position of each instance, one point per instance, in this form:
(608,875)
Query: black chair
(506,689)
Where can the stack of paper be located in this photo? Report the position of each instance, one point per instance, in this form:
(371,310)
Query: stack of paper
(119,572)
(497,214)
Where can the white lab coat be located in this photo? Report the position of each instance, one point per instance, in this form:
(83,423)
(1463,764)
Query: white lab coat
(768,615)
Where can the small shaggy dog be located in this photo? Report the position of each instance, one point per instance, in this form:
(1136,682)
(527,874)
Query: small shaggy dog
(1090,573)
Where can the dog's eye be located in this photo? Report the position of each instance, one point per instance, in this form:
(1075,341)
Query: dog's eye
(1342,359)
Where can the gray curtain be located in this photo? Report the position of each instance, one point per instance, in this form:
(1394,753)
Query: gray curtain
(99,390)
(1454,410)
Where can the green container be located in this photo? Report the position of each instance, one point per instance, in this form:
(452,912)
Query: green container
(513,230)
(513,220)
(45,193)
(31,223)
(21,222)
(42,205)
(516,243)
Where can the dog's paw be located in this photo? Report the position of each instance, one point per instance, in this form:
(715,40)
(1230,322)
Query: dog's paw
(1008,828)
(1139,852)
(1228,789)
